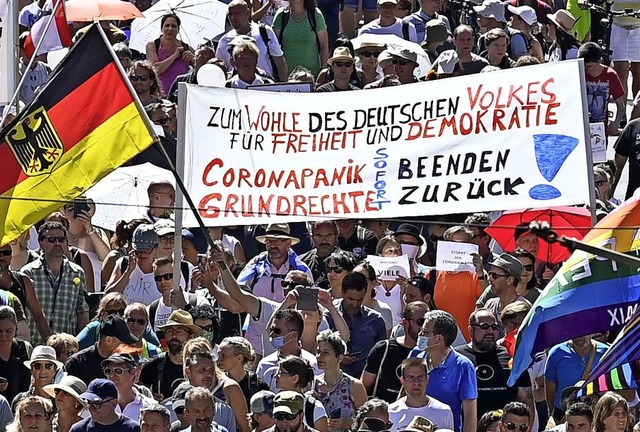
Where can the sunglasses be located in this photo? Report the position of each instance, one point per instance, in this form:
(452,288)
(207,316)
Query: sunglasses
(136,78)
(47,366)
(5,252)
(60,239)
(138,321)
(179,411)
(293,284)
(600,183)
(275,330)
(343,64)
(336,270)
(513,426)
(97,405)
(529,267)
(485,326)
(163,277)
(370,54)
(285,416)
(58,391)
(396,62)
(115,370)
(114,312)
(494,275)
(419,321)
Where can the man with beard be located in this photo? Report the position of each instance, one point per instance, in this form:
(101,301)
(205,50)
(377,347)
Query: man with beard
(200,411)
(505,274)
(492,365)
(324,234)
(288,413)
(265,272)
(160,374)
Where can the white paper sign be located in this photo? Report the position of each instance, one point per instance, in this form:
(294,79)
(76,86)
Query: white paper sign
(598,142)
(295,87)
(455,256)
(506,140)
(389,268)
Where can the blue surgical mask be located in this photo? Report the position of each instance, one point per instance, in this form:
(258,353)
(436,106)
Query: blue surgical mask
(277,342)
(422,343)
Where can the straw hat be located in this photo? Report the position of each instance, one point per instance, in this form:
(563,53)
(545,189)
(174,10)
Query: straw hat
(563,20)
(43,353)
(282,230)
(340,53)
(180,318)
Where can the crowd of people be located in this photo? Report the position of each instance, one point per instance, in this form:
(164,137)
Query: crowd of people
(288,327)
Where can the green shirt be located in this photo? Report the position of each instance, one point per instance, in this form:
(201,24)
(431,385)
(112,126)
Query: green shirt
(298,41)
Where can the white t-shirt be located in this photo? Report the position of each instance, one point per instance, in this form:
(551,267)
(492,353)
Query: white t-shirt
(263,61)
(268,367)
(401,415)
(394,300)
(141,286)
(374,27)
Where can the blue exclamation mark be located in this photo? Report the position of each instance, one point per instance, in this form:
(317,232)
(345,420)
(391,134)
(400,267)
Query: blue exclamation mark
(552,150)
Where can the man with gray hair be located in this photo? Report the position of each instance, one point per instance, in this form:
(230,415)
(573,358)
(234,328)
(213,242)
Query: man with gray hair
(200,411)
(155,418)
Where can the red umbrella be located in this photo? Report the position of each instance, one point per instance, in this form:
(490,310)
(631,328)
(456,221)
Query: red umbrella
(568,221)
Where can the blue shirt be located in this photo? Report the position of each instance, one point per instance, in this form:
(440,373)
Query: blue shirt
(90,334)
(453,382)
(124,424)
(366,328)
(565,366)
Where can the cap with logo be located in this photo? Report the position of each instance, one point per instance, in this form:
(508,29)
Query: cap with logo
(100,390)
(144,238)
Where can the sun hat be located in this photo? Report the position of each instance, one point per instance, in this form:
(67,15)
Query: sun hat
(279,231)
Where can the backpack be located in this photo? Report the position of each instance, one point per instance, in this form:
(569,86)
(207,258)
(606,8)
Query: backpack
(264,34)
(311,16)
(405,30)
(18,288)
(309,407)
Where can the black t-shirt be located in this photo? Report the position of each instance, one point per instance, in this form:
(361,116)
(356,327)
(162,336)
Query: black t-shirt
(388,382)
(492,373)
(331,87)
(18,376)
(250,385)
(363,242)
(124,424)
(628,145)
(171,373)
(86,364)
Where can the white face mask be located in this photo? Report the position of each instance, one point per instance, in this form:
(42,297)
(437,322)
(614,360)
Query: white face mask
(410,250)
(422,343)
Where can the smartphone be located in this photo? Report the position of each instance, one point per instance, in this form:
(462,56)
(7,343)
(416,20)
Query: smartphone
(202,261)
(307,298)
(81,205)
(335,414)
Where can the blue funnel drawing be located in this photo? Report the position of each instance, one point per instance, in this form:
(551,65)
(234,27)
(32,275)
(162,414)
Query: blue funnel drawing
(552,150)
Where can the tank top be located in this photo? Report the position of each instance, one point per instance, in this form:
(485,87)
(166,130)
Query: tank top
(97,270)
(178,67)
(337,401)
(141,287)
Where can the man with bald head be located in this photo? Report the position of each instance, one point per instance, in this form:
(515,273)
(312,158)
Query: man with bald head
(202,56)
(162,199)
(271,58)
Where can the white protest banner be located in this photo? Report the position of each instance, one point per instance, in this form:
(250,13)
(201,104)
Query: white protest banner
(454,256)
(506,140)
(295,87)
(598,142)
(389,268)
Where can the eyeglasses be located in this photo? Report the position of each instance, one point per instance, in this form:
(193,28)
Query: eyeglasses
(529,267)
(60,239)
(396,62)
(275,330)
(5,252)
(47,366)
(416,379)
(179,410)
(136,78)
(138,321)
(58,391)
(274,241)
(485,326)
(336,270)
(285,416)
(340,64)
(114,311)
(370,54)
(117,371)
(97,405)
(167,238)
(163,277)
(419,321)
(599,183)
(171,331)
(512,426)
(293,284)
(494,275)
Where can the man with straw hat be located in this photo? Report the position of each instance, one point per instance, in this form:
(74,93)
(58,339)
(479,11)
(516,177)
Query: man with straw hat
(342,65)
(160,374)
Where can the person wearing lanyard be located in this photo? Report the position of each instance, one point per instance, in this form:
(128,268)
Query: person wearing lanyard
(59,284)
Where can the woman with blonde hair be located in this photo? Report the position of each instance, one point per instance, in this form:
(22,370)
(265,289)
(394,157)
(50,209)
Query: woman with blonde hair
(64,344)
(111,304)
(68,403)
(611,413)
(235,358)
(32,413)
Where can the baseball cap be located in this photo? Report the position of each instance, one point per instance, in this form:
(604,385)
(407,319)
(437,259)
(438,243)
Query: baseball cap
(262,402)
(119,358)
(144,238)
(527,13)
(100,390)
(288,402)
(115,326)
(435,31)
(195,236)
(510,264)
(387,1)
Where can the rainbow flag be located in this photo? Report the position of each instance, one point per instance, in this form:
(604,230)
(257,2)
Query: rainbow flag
(84,123)
(589,294)
(619,378)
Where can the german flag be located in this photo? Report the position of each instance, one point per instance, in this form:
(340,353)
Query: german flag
(84,123)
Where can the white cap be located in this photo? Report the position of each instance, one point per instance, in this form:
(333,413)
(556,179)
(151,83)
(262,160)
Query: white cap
(527,13)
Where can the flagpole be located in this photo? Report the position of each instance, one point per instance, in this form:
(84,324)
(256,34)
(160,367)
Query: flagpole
(31,60)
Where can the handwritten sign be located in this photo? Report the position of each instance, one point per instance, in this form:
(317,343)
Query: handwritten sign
(598,142)
(504,140)
(389,268)
(454,256)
